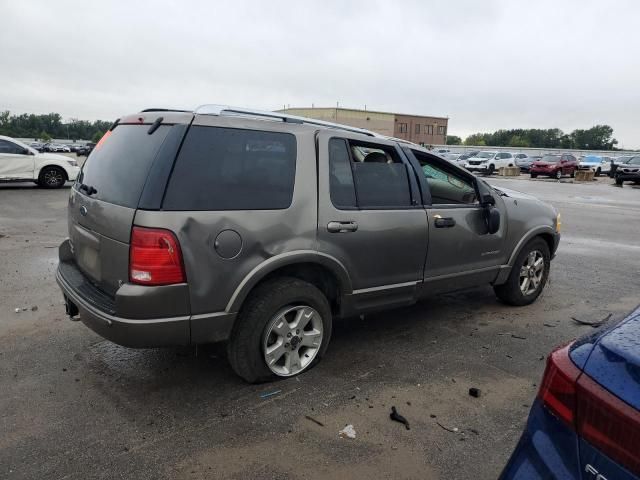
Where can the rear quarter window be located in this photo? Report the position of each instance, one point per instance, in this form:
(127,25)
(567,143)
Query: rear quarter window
(119,165)
(233,169)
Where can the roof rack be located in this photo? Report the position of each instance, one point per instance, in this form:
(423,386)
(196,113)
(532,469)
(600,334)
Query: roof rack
(235,111)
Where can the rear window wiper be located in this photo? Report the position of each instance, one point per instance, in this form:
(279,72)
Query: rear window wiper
(88,189)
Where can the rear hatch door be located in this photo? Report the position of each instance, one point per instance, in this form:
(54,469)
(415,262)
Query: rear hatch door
(104,199)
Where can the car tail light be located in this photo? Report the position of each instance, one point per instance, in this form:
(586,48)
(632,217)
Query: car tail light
(155,257)
(609,424)
(558,389)
(599,417)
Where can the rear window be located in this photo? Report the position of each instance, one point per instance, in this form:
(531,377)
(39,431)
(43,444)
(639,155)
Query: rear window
(233,169)
(118,166)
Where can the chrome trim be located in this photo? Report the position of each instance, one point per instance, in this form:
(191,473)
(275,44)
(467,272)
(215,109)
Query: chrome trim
(385,287)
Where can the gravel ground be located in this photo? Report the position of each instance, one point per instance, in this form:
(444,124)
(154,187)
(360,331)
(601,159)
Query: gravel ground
(76,406)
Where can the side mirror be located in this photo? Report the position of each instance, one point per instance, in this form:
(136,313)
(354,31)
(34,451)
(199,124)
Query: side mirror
(487,200)
(492,216)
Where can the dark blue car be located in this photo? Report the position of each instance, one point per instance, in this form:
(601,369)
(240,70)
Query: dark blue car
(585,423)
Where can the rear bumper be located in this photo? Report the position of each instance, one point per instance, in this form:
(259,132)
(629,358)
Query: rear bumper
(104,314)
(547,450)
(124,331)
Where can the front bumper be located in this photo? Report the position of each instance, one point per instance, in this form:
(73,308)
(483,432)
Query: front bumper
(483,167)
(72,172)
(627,176)
(122,318)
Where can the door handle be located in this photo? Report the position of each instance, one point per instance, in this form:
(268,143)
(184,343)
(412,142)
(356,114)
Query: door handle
(342,227)
(447,222)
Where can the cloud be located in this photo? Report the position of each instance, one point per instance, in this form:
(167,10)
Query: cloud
(486,65)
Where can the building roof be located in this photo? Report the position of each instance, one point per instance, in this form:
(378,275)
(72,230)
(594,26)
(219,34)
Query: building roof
(361,110)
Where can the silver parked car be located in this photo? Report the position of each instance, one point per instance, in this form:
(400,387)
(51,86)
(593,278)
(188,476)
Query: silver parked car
(190,227)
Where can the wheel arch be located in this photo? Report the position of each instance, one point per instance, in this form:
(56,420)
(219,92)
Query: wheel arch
(54,165)
(324,271)
(545,232)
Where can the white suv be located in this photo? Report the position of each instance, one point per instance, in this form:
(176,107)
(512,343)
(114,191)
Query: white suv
(488,162)
(20,163)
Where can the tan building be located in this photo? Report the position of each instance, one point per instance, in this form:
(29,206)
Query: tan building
(424,130)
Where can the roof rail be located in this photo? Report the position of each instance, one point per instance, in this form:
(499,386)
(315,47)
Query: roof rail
(236,111)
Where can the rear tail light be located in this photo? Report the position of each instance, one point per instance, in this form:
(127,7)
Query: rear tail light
(599,417)
(155,257)
(609,424)
(558,389)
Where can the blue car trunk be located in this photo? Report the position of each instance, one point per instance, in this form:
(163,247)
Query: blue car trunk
(614,361)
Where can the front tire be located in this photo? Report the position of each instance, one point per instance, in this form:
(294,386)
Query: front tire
(619,182)
(528,275)
(283,329)
(534,175)
(492,169)
(558,174)
(52,177)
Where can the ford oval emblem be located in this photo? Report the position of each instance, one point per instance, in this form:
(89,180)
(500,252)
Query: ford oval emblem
(83,211)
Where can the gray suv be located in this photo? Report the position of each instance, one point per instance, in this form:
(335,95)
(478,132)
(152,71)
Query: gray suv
(191,227)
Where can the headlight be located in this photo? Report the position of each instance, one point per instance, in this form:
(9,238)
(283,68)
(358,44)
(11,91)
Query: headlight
(558,223)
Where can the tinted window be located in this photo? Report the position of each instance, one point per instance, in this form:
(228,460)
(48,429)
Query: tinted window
(233,169)
(551,158)
(381,178)
(445,184)
(118,166)
(343,194)
(10,147)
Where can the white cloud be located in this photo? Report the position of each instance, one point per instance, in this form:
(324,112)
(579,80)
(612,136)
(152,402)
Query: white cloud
(487,65)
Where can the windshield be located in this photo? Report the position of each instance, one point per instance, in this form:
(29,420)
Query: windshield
(486,155)
(634,161)
(551,158)
(591,159)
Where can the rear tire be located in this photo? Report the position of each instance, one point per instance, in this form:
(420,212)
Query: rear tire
(534,175)
(257,328)
(52,177)
(558,174)
(492,169)
(619,182)
(517,290)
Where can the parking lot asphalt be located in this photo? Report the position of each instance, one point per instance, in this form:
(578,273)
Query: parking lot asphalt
(74,406)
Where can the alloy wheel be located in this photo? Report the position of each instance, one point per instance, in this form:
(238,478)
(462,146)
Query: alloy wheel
(292,339)
(532,272)
(53,177)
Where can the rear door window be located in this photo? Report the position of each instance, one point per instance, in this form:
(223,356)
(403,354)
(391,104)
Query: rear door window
(118,166)
(233,169)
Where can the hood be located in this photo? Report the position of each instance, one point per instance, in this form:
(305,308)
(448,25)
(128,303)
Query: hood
(544,164)
(514,193)
(54,156)
(615,360)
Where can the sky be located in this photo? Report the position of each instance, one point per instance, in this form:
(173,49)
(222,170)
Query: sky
(486,64)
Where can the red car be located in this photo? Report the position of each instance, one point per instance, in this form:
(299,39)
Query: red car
(555,166)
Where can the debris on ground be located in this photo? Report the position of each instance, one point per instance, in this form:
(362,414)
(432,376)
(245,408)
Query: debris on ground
(548,325)
(317,422)
(17,310)
(270,394)
(594,324)
(452,430)
(396,417)
(513,335)
(474,392)
(347,432)
(34,308)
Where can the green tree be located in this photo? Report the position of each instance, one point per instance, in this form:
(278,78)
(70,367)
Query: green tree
(45,137)
(97,136)
(454,140)
(475,139)
(518,141)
